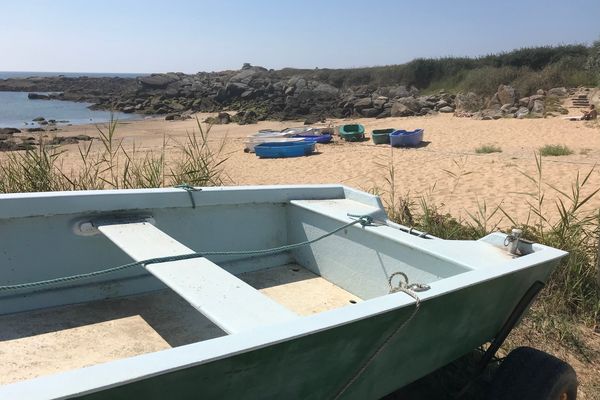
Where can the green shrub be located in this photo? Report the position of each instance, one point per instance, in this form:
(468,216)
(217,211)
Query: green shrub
(487,149)
(527,69)
(555,150)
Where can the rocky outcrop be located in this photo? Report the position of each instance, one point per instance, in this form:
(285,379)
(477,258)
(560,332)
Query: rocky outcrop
(506,103)
(9,131)
(254,93)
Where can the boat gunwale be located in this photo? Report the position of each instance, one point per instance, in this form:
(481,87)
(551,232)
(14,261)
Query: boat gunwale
(40,204)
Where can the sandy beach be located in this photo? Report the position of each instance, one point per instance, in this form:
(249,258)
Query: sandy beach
(446,170)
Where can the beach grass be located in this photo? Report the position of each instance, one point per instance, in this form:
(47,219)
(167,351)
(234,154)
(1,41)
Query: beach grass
(110,165)
(555,150)
(488,148)
(563,317)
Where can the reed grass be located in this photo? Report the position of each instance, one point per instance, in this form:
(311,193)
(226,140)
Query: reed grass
(572,292)
(110,165)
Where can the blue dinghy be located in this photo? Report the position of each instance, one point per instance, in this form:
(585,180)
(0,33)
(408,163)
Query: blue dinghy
(406,138)
(285,149)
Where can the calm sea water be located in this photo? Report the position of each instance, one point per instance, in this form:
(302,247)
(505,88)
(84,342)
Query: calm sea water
(27,74)
(17,111)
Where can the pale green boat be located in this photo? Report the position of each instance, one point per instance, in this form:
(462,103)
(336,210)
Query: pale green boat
(301,294)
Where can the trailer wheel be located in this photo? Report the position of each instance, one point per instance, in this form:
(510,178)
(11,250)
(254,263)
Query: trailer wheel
(530,374)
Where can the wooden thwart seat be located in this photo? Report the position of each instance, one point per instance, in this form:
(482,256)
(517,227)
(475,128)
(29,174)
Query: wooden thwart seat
(230,303)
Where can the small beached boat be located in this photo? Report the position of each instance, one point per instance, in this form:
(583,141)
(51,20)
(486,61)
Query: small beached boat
(275,292)
(285,149)
(309,134)
(352,132)
(406,138)
(268,136)
(321,139)
(303,130)
(381,136)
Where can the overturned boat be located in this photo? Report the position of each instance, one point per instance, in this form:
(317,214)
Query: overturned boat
(306,292)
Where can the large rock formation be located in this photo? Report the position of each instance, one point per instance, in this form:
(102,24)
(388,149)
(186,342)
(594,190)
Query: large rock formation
(256,93)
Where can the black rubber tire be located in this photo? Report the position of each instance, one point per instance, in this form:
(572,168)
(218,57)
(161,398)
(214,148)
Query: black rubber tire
(530,374)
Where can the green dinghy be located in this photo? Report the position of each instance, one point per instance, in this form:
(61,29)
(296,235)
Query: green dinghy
(352,132)
(382,136)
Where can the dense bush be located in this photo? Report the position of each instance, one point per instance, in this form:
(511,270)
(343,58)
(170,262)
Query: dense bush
(528,69)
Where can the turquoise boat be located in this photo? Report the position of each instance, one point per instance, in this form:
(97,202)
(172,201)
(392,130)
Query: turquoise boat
(295,292)
(352,132)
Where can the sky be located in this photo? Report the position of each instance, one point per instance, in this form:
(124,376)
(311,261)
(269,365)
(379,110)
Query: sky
(191,36)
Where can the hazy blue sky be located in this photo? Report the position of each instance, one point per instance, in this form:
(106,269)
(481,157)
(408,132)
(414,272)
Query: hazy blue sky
(191,36)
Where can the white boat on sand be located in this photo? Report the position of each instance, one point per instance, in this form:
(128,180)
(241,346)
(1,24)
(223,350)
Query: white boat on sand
(274,292)
(253,140)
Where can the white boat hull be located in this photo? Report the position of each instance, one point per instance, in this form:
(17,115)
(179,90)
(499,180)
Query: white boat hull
(473,287)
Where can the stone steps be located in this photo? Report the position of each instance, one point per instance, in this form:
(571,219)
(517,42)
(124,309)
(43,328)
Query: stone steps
(580,101)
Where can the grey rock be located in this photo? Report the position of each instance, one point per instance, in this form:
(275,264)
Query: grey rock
(363,103)
(441,104)
(488,114)
(380,102)
(538,107)
(385,113)
(524,102)
(9,131)
(160,81)
(541,92)
(522,112)
(400,110)
(224,118)
(507,95)
(469,102)
(398,92)
(38,119)
(248,74)
(558,92)
(326,89)
(533,99)
(494,102)
(38,96)
(370,112)
(172,117)
(413,104)
(446,109)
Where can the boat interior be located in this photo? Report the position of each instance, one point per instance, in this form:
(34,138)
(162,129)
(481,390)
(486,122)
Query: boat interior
(142,309)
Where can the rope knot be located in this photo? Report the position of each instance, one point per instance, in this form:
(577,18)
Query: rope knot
(364,220)
(189,189)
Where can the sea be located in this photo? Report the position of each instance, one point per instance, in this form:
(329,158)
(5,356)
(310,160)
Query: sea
(17,111)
